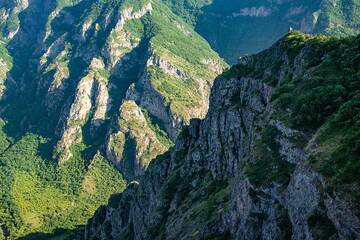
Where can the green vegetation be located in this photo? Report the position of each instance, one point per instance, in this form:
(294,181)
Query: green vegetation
(135,28)
(218,194)
(180,94)
(343,17)
(339,142)
(204,203)
(160,133)
(267,64)
(179,44)
(100,7)
(10,25)
(269,165)
(321,226)
(4,54)
(135,5)
(189,10)
(215,21)
(38,196)
(5,65)
(312,98)
(199,205)
(174,41)
(4,141)
(323,100)
(327,98)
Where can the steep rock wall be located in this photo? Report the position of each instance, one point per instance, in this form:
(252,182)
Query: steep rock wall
(245,171)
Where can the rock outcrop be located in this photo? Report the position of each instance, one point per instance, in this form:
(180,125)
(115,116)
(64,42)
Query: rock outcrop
(79,112)
(136,133)
(9,21)
(4,69)
(245,171)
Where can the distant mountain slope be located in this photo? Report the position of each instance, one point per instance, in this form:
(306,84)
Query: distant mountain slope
(275,158)
(236,28)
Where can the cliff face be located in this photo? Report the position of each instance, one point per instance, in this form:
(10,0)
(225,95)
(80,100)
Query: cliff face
(267,162)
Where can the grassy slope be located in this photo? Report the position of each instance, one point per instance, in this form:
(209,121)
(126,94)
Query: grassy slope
(185,49)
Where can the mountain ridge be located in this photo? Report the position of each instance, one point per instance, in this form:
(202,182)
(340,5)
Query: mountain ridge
(92,91)
(246,171)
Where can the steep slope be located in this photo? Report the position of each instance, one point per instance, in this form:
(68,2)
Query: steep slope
(275,158)
(87,58)
(5,66)
(92,91)
(9,17)
(7,12)
(235,28)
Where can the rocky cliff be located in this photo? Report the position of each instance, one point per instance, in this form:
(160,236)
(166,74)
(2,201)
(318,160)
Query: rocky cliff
(275,157)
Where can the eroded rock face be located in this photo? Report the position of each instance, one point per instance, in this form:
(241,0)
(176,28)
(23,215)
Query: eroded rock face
(156,103)
(135,135)
(121,39)
(237,174)
(217,146)
(89,69)
(167,67)
(78,114)
(102,103)
(9,16)
(4,68)
(91,95)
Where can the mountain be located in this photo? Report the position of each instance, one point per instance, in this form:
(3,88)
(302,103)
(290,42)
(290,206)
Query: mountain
(275,158)
(93,55)
(235,28)
(91,92)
